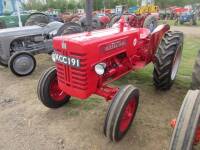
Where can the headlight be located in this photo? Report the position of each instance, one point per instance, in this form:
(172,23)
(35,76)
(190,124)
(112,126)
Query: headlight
(53,57)
(100,68)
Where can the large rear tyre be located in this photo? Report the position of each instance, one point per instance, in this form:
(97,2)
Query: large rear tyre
(49,92)
(168,58)
(121,113)
(37,19)
(151,22)
(22,63)
(196,74)
(69,28)
(187,123)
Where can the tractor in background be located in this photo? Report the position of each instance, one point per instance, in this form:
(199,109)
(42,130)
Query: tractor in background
(12,16)
(86,63)
(188,17)
(146,16)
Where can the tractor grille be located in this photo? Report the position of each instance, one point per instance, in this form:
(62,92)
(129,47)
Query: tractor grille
(74,77)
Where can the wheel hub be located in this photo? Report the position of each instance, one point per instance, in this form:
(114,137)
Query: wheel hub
(23,64)
(127,115)
(55,92)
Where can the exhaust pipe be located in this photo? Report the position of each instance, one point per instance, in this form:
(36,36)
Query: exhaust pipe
(89,11)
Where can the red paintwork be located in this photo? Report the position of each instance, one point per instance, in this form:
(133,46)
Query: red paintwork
(123,49)
(179,10)
(127,115)
(197,137)
(55,92)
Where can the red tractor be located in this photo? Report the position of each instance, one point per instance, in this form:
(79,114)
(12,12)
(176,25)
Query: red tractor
(138,20)
(87,62)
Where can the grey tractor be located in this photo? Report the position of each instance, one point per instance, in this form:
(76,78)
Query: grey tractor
(19,45)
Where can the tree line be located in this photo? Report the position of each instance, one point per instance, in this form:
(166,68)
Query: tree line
(64,5)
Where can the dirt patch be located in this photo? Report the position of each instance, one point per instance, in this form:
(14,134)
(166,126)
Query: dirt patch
(188,30)
(26,124)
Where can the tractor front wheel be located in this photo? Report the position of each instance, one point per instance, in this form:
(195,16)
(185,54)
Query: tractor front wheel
(22,63)
(167,60)
(121,113)
(187,129)
(49,92)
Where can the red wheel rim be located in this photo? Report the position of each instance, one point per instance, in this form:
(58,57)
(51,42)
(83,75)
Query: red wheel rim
(197,137)
(127,115)
(55,92)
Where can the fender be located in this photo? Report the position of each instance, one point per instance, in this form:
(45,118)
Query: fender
(157,35)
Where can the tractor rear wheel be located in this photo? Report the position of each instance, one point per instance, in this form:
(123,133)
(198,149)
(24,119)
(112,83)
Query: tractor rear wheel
(69,28)
(22,63)
(151,22)
(49,92)
(186,132)
(167,60)
(121,113)
(196,74)
(37,19)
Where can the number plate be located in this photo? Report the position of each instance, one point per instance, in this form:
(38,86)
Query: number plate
(74,62)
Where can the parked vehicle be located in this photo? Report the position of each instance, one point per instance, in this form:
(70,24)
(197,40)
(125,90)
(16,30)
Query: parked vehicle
(86,63)
(19,45)
(28,19)
(188,17)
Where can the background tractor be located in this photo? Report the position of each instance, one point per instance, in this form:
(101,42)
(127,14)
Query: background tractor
(19,45)
(146,16)
(188,17)
(9,16)
(87,62)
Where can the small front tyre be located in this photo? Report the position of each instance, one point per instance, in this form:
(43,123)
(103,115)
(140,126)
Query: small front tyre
(49,92)
(22,63)
(121,113)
